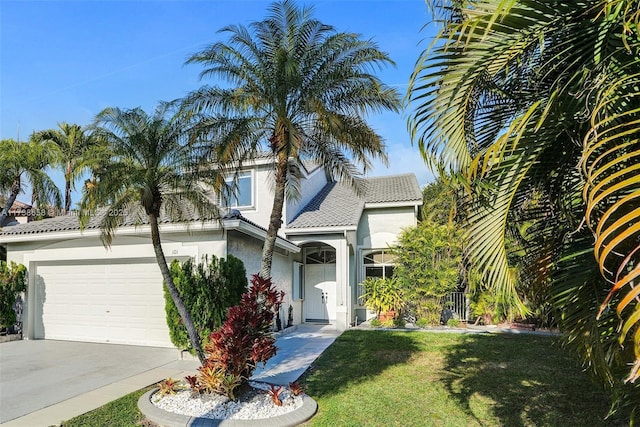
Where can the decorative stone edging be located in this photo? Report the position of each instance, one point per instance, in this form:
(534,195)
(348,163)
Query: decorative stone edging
(169,419)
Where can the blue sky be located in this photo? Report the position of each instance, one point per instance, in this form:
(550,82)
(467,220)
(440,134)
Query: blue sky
(67,60)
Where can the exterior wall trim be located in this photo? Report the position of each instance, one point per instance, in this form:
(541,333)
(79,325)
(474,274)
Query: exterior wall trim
(234,224)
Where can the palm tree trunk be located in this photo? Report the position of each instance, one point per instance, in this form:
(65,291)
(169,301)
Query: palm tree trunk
(67,189)
(275,221)
(173,291)
(15,190)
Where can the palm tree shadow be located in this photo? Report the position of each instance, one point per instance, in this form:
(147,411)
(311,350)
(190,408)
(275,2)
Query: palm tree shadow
(356,357)
(525,380)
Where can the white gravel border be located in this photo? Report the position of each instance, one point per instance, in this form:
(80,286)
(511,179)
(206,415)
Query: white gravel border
(302,413)
(216,406)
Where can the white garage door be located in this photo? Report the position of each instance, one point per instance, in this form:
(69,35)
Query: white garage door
(120,303)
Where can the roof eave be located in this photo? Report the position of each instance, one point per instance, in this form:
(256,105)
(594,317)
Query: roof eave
(229,224)
(95,232)
(321,230)
(259,233)
(407,203)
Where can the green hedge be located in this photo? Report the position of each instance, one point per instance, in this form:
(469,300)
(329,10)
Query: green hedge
(13,280)
(208,289)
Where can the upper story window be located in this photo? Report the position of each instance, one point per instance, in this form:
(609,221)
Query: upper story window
(242,197)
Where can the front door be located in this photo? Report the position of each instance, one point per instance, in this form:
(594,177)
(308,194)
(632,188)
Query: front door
(320,287)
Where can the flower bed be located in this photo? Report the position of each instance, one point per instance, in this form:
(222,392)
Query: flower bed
(254,408)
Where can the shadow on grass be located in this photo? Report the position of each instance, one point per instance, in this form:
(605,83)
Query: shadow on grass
(356,357)
(526,380)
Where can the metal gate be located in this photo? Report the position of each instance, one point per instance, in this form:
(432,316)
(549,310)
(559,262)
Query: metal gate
(457,303)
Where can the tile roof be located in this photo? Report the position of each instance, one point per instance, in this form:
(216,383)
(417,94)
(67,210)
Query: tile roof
(71,222)
(335,205)
(339,205)
(391,189)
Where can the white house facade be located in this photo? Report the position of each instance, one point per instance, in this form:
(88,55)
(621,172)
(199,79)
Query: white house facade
(331,239)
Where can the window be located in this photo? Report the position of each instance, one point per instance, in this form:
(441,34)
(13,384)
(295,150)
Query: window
(320,256)
(298,282)
(376,264)
(242,197)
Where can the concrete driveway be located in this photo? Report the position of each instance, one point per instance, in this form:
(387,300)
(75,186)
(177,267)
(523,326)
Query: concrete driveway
(35,374)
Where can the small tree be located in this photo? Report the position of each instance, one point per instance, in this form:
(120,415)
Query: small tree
(207,289)
(77,151)
(13,280)
(23,164)
(429,266)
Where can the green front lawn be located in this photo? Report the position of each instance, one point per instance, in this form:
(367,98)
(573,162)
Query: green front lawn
(119,413)
(380,378)
(384,378)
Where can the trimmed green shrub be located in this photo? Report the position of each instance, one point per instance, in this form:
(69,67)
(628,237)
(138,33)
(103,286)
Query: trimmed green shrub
(453,323)
(13,280)
(399,322)
(388,323)
(208,289)
(376,323)
(422,323)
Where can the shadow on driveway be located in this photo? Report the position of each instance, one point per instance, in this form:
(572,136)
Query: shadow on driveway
(35,374)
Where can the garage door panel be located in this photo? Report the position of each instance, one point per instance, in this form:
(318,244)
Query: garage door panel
(118,303)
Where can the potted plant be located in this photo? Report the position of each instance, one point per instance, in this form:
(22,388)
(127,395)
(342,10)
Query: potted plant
(382,295)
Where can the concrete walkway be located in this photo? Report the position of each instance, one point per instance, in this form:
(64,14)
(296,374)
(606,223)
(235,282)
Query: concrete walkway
(296,351)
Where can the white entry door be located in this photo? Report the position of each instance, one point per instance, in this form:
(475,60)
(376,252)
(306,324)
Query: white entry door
(320,293)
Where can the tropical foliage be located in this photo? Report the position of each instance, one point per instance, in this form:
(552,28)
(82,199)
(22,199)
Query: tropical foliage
(428,266)
(207,289)
(297,89)
(242,342)
(153,175)
(381,294)
(25,163)
(78,151)
(540,100)
(13,280)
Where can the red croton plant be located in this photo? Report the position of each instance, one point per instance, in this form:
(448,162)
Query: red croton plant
(242,342)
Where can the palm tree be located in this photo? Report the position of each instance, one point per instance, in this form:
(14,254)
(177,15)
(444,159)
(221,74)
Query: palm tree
(152,171)
(77,149)
(300,90)
(532,99)
(25,163)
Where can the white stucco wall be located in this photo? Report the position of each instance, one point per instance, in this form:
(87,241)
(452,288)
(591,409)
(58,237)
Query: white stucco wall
(379,228)
(249,250)
(87,248)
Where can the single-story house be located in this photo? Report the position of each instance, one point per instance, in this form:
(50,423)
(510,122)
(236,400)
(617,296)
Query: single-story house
(331,239)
